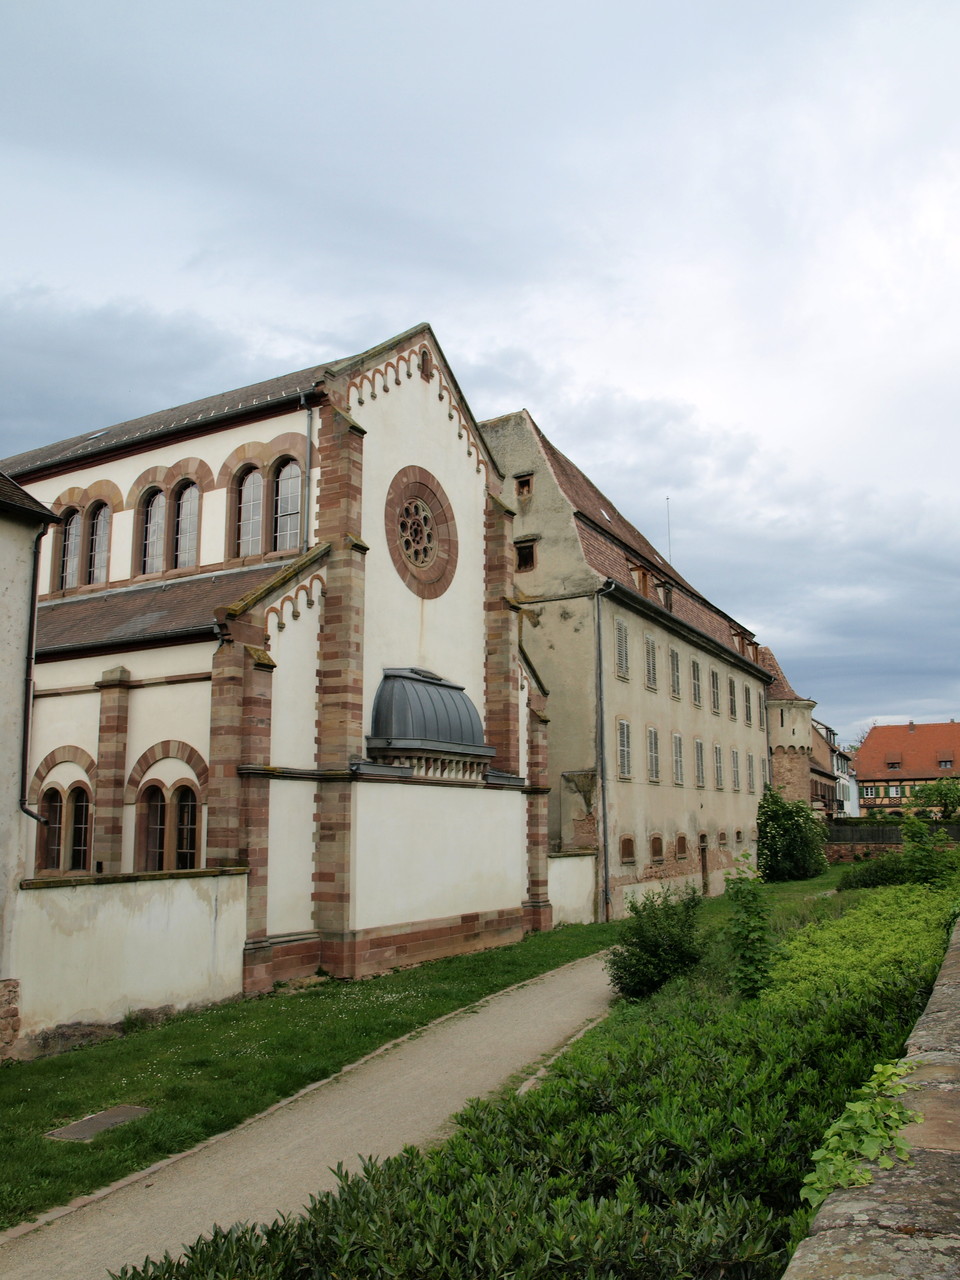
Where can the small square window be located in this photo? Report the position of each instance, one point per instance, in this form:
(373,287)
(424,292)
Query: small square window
(524,486)
(945,764)
(526,556)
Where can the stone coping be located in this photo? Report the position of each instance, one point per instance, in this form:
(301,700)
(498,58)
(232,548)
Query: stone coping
(130,877)
(906,1223)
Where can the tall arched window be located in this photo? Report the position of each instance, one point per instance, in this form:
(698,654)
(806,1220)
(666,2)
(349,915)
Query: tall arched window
(154,522)
(169,828)
(99,543)
(70,551)
(185,801)
(154,831)
(51,834)
(186,526)
(250,514)
(78,807)
(286,508)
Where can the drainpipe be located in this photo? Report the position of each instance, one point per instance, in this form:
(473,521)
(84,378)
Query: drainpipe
(305,497)
(28,683)
(602,752)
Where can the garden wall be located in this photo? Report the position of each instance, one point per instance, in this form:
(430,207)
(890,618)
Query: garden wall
(906,1223)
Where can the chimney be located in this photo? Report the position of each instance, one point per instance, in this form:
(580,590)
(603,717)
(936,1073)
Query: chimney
(912,727)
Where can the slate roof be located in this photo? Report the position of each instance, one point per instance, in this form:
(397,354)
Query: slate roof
(156,613)
(224,406)
(612,545)
(917,748)
(22,505)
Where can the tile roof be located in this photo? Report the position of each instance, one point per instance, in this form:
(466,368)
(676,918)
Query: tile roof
(612,546)
(781,690)
(154,426)
(182,609)
(917,748)
(22,505)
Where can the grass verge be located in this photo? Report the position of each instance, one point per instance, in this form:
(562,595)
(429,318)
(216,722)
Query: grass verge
(205,1071)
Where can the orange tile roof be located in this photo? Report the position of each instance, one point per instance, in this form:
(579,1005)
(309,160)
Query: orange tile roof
(917,748)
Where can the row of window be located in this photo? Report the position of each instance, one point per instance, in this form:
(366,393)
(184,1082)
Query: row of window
(677,761)
(735,699)
(628,848)
(167,830)
(266,517)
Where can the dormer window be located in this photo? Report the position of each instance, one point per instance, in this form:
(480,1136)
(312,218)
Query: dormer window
(945,764)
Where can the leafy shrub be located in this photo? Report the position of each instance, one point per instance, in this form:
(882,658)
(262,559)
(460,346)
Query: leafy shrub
(926,857)
(671,1141)
(790,839)
(658,940)
(748,932)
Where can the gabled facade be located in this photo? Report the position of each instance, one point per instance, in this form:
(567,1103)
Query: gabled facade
(282,719)
(657,734)
(894,759)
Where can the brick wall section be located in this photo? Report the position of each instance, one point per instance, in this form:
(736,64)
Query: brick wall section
(114,686)
(339,676)
(501,692)
(537,911)
(226,748)
(255,792)
(9,1014)
(370,951)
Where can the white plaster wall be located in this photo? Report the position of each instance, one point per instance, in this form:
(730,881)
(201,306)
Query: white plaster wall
(435,851)
(213,448)
(143,664)
(294,685)
(60,722)
(16,574)
(572,887)
(290,869)
(179,712)
(410,427)
(91,953)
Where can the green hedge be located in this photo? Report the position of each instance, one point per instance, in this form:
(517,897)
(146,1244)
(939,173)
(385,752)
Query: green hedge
(671,1142)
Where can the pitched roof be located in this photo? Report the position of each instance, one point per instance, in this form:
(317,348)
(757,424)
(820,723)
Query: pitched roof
(781,690)
(613,547)
(916,748)
(158,613)
(22,505)
(252,399)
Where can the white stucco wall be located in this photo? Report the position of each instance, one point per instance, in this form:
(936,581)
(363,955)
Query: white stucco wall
(294,684)
(411,427)
(572,883)
(290,869)
(91,953)
(213,448)
(16,575)
(435,851)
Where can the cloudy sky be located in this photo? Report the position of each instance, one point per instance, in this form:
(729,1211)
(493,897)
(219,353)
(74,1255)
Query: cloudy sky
(712,245)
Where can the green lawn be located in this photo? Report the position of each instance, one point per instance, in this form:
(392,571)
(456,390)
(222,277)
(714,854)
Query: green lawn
(204,1072)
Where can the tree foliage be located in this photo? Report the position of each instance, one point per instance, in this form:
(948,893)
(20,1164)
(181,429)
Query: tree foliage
(939,799)
(790,839)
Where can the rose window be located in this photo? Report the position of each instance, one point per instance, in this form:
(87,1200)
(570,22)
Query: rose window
(418,540)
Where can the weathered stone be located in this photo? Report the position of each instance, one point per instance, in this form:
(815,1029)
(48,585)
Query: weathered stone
(909,1198)
(940,1128)
(859,1254)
